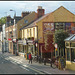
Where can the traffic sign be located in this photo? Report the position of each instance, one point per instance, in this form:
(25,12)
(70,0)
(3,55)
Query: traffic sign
(56,46)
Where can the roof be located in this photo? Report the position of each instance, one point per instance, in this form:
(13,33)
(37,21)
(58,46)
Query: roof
(33,23)
(30,17)
(27,26)
(71,38)
(64,8)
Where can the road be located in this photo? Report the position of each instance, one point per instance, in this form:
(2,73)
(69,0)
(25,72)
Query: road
(11,67)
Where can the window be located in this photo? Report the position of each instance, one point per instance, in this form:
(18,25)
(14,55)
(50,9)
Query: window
(27,33)
(72,54)
(67,43)
(20,48)
(33,32)
(10,45)
(59,26)
(47,26)
(30,33)
(14,34)
(25,21)
(68,27)
(72,44)
(68,54)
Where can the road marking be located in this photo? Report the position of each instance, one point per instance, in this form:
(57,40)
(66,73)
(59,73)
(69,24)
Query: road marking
(24,68)
(25,65)
(36,70)
(13,62)
(47,72)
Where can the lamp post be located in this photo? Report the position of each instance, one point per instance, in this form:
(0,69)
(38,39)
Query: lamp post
(14,12)
(6,41)
(15,31)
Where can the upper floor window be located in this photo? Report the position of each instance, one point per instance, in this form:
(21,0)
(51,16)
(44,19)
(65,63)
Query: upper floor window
(34,32)
(25,21)
(30,33)
(47,26)
(59,26)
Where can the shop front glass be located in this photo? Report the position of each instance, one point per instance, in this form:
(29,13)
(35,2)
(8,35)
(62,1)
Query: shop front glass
(20,47)
(68,54)
(30,48)
(73,54)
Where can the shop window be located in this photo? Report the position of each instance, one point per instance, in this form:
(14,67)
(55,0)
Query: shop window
(72,44)
(67,43)
(68,54)
(73,54)
(10,45)
(20,48)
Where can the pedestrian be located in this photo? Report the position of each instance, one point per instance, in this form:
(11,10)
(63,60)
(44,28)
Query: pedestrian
(30,58)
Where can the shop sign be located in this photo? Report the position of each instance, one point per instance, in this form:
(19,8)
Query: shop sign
(20,42)
(56,46)
(9,39)
(24,42)
(30,42)
(14,40)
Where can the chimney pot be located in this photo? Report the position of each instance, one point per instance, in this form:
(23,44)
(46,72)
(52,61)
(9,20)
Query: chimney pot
(40,11)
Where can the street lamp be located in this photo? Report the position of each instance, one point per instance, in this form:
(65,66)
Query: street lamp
(15,28)
(14,11)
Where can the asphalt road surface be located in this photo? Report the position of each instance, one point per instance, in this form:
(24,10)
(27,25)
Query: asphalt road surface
(10,67)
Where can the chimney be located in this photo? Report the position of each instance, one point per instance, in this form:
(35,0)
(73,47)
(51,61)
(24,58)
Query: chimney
(40,11)
(24,14)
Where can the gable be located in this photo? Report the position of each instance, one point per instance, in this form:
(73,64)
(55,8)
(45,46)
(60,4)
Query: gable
(63,15)
(59,15)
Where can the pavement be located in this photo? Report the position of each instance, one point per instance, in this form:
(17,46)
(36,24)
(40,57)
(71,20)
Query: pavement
(36,65)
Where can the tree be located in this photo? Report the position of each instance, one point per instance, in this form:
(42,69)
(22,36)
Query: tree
(59,37)
(2,20)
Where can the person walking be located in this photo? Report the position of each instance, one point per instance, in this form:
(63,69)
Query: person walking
(30,58)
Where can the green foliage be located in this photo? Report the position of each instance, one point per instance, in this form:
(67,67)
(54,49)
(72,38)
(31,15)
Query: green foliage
(59,37)
(2,20)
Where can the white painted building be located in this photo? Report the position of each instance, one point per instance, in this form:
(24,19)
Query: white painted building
(1,41)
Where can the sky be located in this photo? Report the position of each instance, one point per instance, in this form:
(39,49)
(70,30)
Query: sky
(20,6)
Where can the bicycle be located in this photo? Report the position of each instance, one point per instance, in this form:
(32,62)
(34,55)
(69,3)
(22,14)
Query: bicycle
(54,63)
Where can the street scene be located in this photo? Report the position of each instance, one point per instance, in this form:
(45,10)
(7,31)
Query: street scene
(37,37)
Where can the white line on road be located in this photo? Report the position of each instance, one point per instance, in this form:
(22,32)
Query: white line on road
(25,65)
(13,62)
(24,68)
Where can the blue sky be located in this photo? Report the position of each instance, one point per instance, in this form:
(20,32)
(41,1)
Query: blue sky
(20,6)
